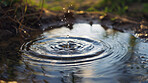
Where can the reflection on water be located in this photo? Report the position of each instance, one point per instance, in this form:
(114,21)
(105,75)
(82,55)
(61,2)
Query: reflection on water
(85,54)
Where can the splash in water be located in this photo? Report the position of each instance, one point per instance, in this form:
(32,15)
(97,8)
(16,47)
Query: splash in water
(61,52)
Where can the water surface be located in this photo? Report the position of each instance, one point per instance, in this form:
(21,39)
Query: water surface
(85,54)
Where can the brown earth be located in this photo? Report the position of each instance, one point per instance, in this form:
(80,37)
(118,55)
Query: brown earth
(18,27)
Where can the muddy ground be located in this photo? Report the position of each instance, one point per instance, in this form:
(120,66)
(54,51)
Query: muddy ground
(36,21)
(137,26)
(12,35)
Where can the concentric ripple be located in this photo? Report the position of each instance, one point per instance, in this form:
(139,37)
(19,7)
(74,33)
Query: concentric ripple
(68,50)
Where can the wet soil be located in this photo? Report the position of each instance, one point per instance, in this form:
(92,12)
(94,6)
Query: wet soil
(11,38)
(137,26)
(15,22)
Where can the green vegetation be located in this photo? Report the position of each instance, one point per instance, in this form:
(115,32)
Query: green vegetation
(114,6)
(58,5)
(57,8)
(118,6)
(91,9)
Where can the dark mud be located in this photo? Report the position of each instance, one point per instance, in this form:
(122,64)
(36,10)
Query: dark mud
(133,25)
(10,41)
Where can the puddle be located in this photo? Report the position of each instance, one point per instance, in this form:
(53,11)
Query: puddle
(84,54)
(75,46)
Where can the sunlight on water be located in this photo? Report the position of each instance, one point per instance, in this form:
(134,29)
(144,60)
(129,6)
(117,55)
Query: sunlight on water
(74,46)
(83,53)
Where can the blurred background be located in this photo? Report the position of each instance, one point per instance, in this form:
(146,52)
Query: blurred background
(114,6)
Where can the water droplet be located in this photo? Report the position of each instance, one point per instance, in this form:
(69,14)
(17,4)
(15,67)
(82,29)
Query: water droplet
(25,32)
(62,20)
(68,11)
(64,8)
(68,25)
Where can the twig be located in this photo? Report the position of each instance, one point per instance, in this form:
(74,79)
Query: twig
(29,15)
